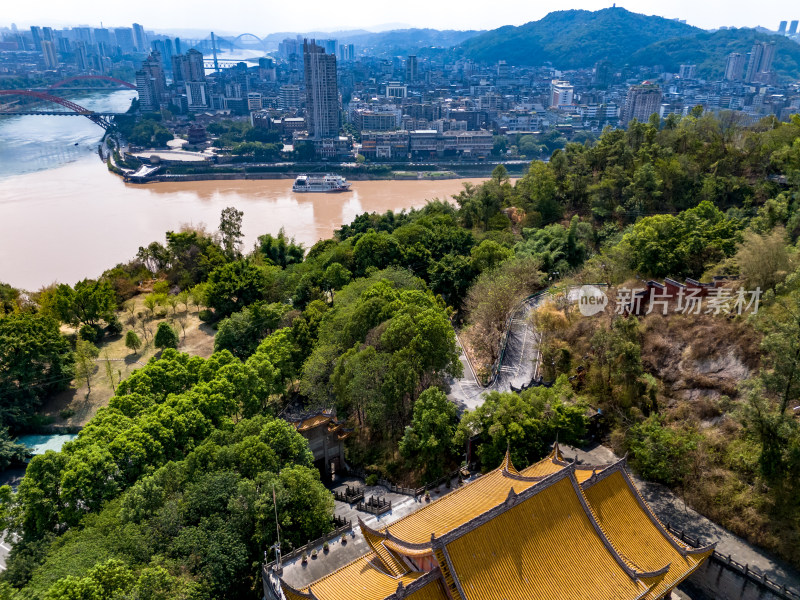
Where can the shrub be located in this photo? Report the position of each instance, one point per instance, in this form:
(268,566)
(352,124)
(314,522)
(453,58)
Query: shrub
(166,336)
(206,316)
(114,326)
(91,333)
(659,452)
(371,479)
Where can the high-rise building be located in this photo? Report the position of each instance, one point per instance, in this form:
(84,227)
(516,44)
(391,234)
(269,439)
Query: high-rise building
(140,38)
(411,68)
(322,91)
(124,37)
(188,67)
(197,69)
(102,36)
(81,55)
(782,28)
(179,67)
(329,46)
(49,53)
(602,73)
(151,82)
(503,70)
(642,101)
(157,46)
(759,68)
(347,52)
(266,69)
(793,27)
(688,71)
(82,34)
(254,101)
(196,95)
(562,93)
(47,34)
(36,34)
(734,67)
(290,97)
(148,101)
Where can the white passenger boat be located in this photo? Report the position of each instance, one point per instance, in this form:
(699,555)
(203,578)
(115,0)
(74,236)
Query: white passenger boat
(321,183)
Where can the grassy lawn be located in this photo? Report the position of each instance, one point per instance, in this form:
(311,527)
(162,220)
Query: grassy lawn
(76,406)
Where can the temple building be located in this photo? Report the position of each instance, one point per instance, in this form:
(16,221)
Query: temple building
(325,435)
(555,530)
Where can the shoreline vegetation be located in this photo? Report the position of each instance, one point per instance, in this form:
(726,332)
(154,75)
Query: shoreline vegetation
(173,487)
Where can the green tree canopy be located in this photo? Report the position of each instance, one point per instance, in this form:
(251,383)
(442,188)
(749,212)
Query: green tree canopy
(527,423)
(35,362)
(428,442)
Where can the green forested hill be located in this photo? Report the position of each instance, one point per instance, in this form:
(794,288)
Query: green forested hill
(580,38)
(574,38)
(709,50)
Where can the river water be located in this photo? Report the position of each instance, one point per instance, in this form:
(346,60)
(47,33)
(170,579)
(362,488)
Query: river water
(64,217)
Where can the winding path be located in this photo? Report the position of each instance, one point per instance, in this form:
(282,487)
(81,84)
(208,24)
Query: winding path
(516,368)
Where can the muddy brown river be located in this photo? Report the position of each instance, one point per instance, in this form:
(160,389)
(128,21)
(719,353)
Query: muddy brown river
(76,220)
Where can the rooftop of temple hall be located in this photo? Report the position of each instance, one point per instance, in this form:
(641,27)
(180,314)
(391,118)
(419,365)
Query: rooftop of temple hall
(555,529)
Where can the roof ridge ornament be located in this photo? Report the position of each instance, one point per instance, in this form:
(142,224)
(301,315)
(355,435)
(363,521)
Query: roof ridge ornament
(512,496)
(508,466)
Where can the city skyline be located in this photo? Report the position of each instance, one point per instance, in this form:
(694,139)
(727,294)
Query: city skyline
(310,15)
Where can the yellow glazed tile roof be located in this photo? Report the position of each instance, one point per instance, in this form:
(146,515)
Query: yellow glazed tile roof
(393,564)
(430,591)
(312,422)
(361,579)
(291,594)
(462,504)
(562,540)
(544,548)
(542,468)
(630,526)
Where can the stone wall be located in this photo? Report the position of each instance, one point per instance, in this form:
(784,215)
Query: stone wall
(717,579)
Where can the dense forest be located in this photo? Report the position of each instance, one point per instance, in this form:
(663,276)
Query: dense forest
(573,39)
(168,491)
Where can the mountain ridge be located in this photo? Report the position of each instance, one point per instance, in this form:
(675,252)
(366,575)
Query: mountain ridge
(574,38)
(580,38)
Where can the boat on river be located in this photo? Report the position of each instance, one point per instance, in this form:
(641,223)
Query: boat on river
(325,183)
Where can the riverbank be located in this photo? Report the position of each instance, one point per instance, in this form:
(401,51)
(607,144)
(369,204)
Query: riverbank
(79,220)
(244,174)
(160,167)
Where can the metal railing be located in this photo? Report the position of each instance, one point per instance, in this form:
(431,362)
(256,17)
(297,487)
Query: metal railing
(742,569)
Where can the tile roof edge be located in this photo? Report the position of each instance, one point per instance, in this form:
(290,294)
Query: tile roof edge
(500,508)
(416,585)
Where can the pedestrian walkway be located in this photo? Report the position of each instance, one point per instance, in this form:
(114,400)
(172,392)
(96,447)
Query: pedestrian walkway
(518,366)
(298,575)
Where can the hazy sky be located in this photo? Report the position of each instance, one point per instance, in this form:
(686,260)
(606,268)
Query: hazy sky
(261,17)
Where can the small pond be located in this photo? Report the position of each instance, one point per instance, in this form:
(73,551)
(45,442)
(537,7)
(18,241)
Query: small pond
(39,444)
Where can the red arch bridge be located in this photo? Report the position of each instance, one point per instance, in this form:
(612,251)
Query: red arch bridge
(103,119)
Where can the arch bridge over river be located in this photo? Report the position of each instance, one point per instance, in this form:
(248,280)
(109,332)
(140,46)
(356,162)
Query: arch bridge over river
(103,119)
